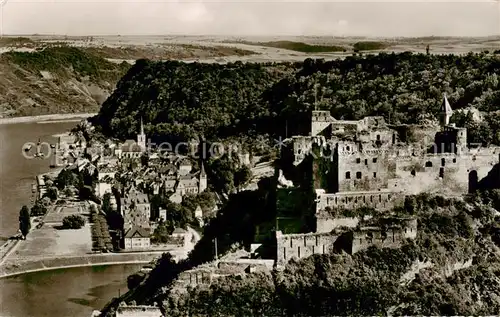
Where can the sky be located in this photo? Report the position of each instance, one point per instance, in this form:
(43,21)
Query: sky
(257,17)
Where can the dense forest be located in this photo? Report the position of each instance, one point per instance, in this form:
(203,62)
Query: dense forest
(183,100)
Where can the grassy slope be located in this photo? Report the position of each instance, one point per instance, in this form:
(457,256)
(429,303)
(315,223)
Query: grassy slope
(75,80)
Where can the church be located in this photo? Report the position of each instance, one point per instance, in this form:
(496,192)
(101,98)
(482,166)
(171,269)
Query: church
(132,148)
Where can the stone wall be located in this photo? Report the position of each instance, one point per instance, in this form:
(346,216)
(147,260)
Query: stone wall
(373,236)
(325,224)
(242,265)
(380,200)
(195,277)
(298,246)
(138,311)
(441,173)
(361,169)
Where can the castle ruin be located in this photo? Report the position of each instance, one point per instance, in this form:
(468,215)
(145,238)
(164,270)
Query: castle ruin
(370,163)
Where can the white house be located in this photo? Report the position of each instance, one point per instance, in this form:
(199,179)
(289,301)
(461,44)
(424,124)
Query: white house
(163,214)
(198,214)
(137,238)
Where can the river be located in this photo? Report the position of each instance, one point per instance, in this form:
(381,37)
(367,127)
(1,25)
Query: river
(56,293)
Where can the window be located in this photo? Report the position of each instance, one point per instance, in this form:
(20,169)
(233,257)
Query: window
(443,162)
(374,160)
(428,164)
(378,137)
(454,160)
(358,175)
(348,148)
(347,175)
(374,174)
(366,161)
(358,160)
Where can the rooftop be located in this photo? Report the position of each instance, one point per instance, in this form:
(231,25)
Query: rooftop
(136,232)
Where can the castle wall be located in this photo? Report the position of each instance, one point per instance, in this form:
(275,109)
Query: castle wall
(327,224)
(298,246)
(361,169)
(320,121)
(302,146)
(379,200)
(195,277)
(138,311)
(391,238)
(417,133)
(441,173)
(240,265)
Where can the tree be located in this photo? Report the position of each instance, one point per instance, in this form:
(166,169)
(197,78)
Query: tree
(66,178)
(73,222)
(242,176)
(38,209)
(51,193)
(134,280)
(24,221)
(68,192)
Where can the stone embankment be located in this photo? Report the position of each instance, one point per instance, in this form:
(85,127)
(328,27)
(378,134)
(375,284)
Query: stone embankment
(28,265)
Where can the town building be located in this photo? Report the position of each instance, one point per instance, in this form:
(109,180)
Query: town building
(133,149)
(137,238)
(135,209)
(105,178)
(184,182)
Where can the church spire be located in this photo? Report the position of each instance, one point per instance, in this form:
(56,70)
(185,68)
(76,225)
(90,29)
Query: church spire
(142,127)
(202,172)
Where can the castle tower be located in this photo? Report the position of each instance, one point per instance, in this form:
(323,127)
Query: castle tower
(446,111)
(203,184)
(141,138)
(320,121)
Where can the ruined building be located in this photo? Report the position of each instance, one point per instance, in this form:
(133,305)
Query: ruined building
(370,165)
(301,245)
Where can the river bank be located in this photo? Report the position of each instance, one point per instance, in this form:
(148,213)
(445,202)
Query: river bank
(50,118)
(28,266)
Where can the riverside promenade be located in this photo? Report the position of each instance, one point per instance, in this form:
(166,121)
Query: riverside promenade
(48,247)
(16,265)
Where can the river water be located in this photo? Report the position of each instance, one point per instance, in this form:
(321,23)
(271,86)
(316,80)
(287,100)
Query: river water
(56,293)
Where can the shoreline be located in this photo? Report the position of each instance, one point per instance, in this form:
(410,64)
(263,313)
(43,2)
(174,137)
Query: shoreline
(47,264)
(69,117)
(53,268)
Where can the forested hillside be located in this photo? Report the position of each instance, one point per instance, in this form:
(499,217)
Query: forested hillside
(185,100)
(452,268)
